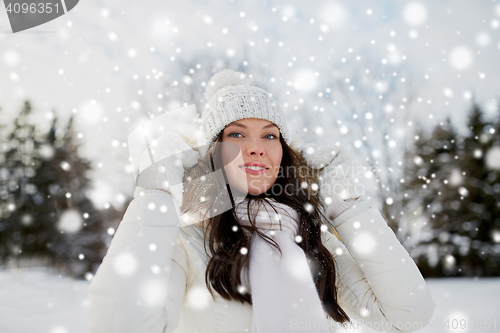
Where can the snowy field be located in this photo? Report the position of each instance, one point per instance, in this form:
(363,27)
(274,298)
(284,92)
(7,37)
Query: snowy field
(38,301)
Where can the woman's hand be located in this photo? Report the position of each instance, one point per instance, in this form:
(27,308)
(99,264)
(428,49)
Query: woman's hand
(338,178)
(336,172)
(170,156)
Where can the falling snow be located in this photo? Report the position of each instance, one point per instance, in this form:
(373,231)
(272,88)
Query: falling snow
(314,54)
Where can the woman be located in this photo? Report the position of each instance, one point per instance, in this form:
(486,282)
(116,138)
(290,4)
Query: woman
(259,256)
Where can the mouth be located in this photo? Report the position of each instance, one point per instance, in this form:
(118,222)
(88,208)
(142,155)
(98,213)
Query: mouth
(253,169)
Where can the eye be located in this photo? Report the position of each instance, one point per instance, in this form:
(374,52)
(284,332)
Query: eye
(275,137)
(231,134)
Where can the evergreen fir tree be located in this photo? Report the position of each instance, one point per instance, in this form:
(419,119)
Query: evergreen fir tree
(45,212)
(454,192)
(19,194)
(37,234)
(86,247)
(480,210)
(74,227)
(4,192)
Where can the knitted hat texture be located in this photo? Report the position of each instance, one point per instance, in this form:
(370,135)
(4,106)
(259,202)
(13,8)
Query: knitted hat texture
(230,98)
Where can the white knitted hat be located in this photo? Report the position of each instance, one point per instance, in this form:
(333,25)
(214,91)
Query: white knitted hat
(231,97)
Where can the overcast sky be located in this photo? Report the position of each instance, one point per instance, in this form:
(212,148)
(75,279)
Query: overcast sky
(97,59)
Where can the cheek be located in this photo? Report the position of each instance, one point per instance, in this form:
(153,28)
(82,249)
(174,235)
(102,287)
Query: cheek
(231,153)
(279,156)
(224,157)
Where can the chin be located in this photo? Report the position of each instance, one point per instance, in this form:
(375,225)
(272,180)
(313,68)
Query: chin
(257,192)
(245,188)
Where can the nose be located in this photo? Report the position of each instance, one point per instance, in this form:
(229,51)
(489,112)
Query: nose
(255,148)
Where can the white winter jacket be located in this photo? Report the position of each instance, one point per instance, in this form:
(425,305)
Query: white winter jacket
(152,279)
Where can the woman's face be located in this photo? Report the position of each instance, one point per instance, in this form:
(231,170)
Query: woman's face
(256,167)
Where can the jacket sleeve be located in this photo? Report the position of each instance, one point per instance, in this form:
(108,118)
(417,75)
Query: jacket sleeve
(141,282)
(378,283)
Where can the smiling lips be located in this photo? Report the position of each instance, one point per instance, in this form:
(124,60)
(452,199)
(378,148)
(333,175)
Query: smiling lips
(254,168)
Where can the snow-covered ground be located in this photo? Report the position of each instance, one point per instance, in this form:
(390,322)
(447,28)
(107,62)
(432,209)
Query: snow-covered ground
(36,300)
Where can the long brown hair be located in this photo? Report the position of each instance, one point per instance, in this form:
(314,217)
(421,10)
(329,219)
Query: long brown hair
(226,263)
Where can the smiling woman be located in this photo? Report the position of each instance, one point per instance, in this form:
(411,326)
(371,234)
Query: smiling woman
(269,259)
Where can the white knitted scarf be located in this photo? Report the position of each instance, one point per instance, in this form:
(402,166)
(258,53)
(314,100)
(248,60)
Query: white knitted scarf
(284,295)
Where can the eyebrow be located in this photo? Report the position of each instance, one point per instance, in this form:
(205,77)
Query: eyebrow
(241,125)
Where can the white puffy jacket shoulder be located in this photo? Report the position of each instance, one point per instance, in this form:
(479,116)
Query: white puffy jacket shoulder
(139,285)
(379,284)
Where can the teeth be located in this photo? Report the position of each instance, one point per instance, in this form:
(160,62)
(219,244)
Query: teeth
(253,167)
